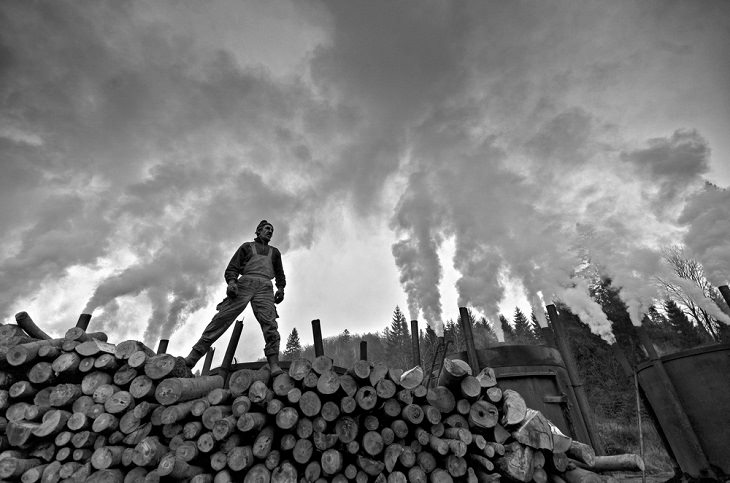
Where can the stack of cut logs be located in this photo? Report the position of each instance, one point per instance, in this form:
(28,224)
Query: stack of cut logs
(81,409)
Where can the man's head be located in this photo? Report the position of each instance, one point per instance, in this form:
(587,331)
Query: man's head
(264,231)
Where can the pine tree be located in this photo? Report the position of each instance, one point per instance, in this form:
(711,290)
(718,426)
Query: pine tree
(688,334)
(523,332)
(428,343)
(536,330)
(484,334)
(293,348)
(507,330)
(397,338)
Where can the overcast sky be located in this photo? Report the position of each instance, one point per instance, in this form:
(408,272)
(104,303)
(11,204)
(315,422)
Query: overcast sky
(414,153)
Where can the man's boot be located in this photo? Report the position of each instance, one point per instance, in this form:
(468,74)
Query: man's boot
(274,365)
(193,358)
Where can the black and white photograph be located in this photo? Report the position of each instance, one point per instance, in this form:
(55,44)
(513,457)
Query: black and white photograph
(391,241)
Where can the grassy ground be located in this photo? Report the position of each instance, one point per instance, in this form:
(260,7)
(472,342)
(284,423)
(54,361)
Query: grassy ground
(623,437)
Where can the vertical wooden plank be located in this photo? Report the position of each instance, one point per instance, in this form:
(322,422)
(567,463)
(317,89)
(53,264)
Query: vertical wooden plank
(561,340)
(317,334)
(466,329)
(231,351)
(208,361)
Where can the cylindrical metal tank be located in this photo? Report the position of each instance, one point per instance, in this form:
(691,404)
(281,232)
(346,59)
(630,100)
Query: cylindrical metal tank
(700,378)
(538,373)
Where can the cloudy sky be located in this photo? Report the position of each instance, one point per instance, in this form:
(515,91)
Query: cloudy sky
(416,153)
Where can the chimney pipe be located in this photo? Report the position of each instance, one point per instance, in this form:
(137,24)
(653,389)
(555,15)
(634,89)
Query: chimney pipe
(208,361)
(415,349)
(83,322)
(162,346)
(317,333)
(363,350)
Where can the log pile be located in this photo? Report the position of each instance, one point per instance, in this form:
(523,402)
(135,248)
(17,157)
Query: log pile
(80,409)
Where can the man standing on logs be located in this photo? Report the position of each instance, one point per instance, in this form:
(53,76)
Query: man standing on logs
(258,263)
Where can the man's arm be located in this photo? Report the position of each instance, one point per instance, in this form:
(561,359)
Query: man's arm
(278,269)
(235,266)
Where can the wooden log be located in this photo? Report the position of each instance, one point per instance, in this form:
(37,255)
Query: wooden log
(125,349)
(534,431)
(86,364)
(104,392)
(302,451)
(284,473)
(251,422)
(328,382)
(331,461)
(11,468)
(240,458)
(149,452)
(324,441)
(514,409)
(129,422)
(79,334)
(162,366)
(106,362)
(22,390)
(176,412)
(213,414)
(54,421)
(94,347)
(310,404)
(263,443)
(366,398)
(494,394)
(16,411)
(259,393)
(175,468)
(240,405)
(517,462)
(417,475)
(20,354)
(581,475)
(49,352)
(138,359)
(287,418)
(299,368)
(107,456)
(124,375)
(105,423)
(41,373)
(360,370)
(93,380)
(106,476)
(378,372)
(173,390)
(617,462)
(463,406)
(582,452)
(84,439)
(200,405)
(257,473)
(483,415)
(370,466)
(441,398)
(143,387)
(33,412)
(487,378)
(29,327)
(119,402)
(224,428)
(218,396)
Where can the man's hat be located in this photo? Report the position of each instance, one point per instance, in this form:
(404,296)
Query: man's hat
(263,223)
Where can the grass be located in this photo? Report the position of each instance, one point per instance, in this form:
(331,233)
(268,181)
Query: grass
(622,436)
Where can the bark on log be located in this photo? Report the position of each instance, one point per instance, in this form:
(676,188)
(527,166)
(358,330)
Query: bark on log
(11,468)
(94,347)
(617,462)
(163,366)
(517,462)
(107,456)
(378,371)
(441,398)
(26,323)
(173,390)
(514,408)
(534,431)
(582,452)
(28,352)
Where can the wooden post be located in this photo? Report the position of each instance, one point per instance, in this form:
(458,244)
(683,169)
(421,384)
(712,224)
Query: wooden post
(561,341)
(208,361)
(317,333)
(162,346)
(83,322)
(725,291)
(363,350)
(673,402)
(415,349)
(471,351)
(230,351)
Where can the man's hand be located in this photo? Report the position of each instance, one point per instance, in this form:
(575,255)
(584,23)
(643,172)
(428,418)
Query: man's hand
(232,290)
(278,296)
